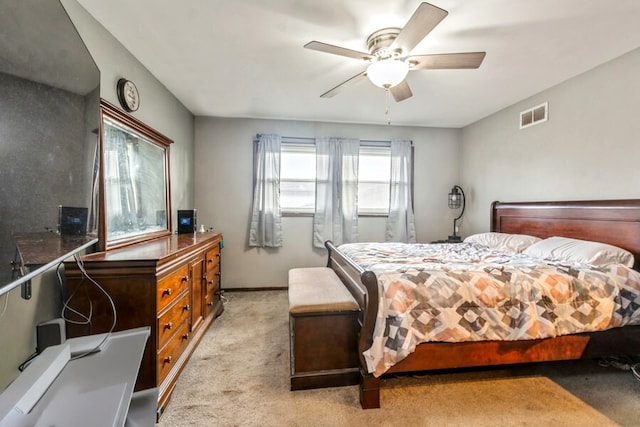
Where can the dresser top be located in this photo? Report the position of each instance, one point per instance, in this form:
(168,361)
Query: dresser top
(157,249)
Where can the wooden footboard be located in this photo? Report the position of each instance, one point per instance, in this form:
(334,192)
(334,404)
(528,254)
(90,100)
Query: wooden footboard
(363,285)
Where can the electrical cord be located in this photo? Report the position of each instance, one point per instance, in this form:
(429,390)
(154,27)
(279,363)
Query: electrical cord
(27,362)
(80,265)
(635,370)
(6,304)
(622,363)
(85,319)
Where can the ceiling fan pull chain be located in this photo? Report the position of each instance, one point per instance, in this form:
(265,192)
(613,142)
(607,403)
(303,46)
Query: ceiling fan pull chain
(386,111)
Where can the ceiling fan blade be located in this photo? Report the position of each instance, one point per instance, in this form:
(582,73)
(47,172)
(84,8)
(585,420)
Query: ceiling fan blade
(423,20)
(337,89)
(446,61)
(401,91)
(337,50)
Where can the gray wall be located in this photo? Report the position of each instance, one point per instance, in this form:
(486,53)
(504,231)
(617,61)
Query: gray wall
(224,161)
(160,110)
(588,149)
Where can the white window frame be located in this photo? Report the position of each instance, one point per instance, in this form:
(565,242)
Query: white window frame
(300,147)
(307,144)
(381,150)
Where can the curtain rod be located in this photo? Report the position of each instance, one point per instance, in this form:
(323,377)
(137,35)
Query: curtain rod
(313,139)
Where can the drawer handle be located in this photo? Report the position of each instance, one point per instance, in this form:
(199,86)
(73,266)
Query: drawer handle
(167,359)
(169,325)
(209,303)
(186,307)
(209,261)
(185,336)
(167,291)
(218,274)
(210,283)
(185,278)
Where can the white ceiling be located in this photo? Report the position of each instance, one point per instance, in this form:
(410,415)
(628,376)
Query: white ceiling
(231,58)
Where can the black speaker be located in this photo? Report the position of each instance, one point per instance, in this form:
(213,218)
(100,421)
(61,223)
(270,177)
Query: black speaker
(72,221)
(49,333)
(187,221)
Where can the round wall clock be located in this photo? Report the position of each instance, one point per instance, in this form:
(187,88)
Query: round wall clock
(128,95)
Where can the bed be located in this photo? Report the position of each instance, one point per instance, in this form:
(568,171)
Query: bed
(612,222)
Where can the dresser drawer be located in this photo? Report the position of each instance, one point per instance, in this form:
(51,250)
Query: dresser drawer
(169,355)
(172,286)
(211,297)
(213,277)
(171,320)
(212,258)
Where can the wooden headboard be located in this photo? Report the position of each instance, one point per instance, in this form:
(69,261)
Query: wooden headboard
(616,222)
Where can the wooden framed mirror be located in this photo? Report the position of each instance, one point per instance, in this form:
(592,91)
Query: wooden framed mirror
(135,203)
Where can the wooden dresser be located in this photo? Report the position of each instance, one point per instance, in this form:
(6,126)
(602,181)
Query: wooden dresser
(171,284)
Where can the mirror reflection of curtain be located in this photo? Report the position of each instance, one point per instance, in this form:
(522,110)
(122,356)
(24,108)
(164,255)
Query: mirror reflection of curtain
(94,203)
(121,195)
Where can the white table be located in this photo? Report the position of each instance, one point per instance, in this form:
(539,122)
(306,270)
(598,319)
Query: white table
(93,390)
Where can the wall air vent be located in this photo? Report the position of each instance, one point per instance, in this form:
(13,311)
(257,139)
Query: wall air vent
(534,116)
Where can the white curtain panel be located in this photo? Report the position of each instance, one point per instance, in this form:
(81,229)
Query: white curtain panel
(94,203)
(119,191)
(336,213)
(266,217)
(400,223)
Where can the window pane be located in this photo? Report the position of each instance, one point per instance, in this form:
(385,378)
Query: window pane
(297,177)
(375,164)
(297,195)
(297,164)
(374,174)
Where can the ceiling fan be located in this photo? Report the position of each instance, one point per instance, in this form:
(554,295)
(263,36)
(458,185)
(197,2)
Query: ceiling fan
(390,54)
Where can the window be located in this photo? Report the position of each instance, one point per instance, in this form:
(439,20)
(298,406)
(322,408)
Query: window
(374,175)
(298,179)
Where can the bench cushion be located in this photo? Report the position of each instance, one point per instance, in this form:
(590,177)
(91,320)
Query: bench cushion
(317,290)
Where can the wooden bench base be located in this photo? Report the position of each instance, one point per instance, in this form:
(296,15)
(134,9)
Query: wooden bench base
(324,350)
(323,330)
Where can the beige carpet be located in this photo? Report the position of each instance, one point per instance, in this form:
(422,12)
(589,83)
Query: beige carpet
(239,376)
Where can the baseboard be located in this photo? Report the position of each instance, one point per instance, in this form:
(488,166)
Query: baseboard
(323,379)
(268,288)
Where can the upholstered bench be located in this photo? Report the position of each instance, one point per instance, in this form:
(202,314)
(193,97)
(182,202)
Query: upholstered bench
(323,330)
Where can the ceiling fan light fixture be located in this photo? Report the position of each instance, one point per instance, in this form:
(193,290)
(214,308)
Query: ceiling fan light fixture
(387,73)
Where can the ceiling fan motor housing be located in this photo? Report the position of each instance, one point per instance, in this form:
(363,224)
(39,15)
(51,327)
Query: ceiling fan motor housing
(379,42)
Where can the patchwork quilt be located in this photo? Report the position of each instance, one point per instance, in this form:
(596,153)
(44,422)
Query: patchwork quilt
(468,292)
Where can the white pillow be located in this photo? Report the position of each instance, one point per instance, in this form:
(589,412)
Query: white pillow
(580,251)
(503,241)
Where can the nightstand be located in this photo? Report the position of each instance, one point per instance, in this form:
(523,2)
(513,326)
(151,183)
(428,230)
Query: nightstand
(458,240)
